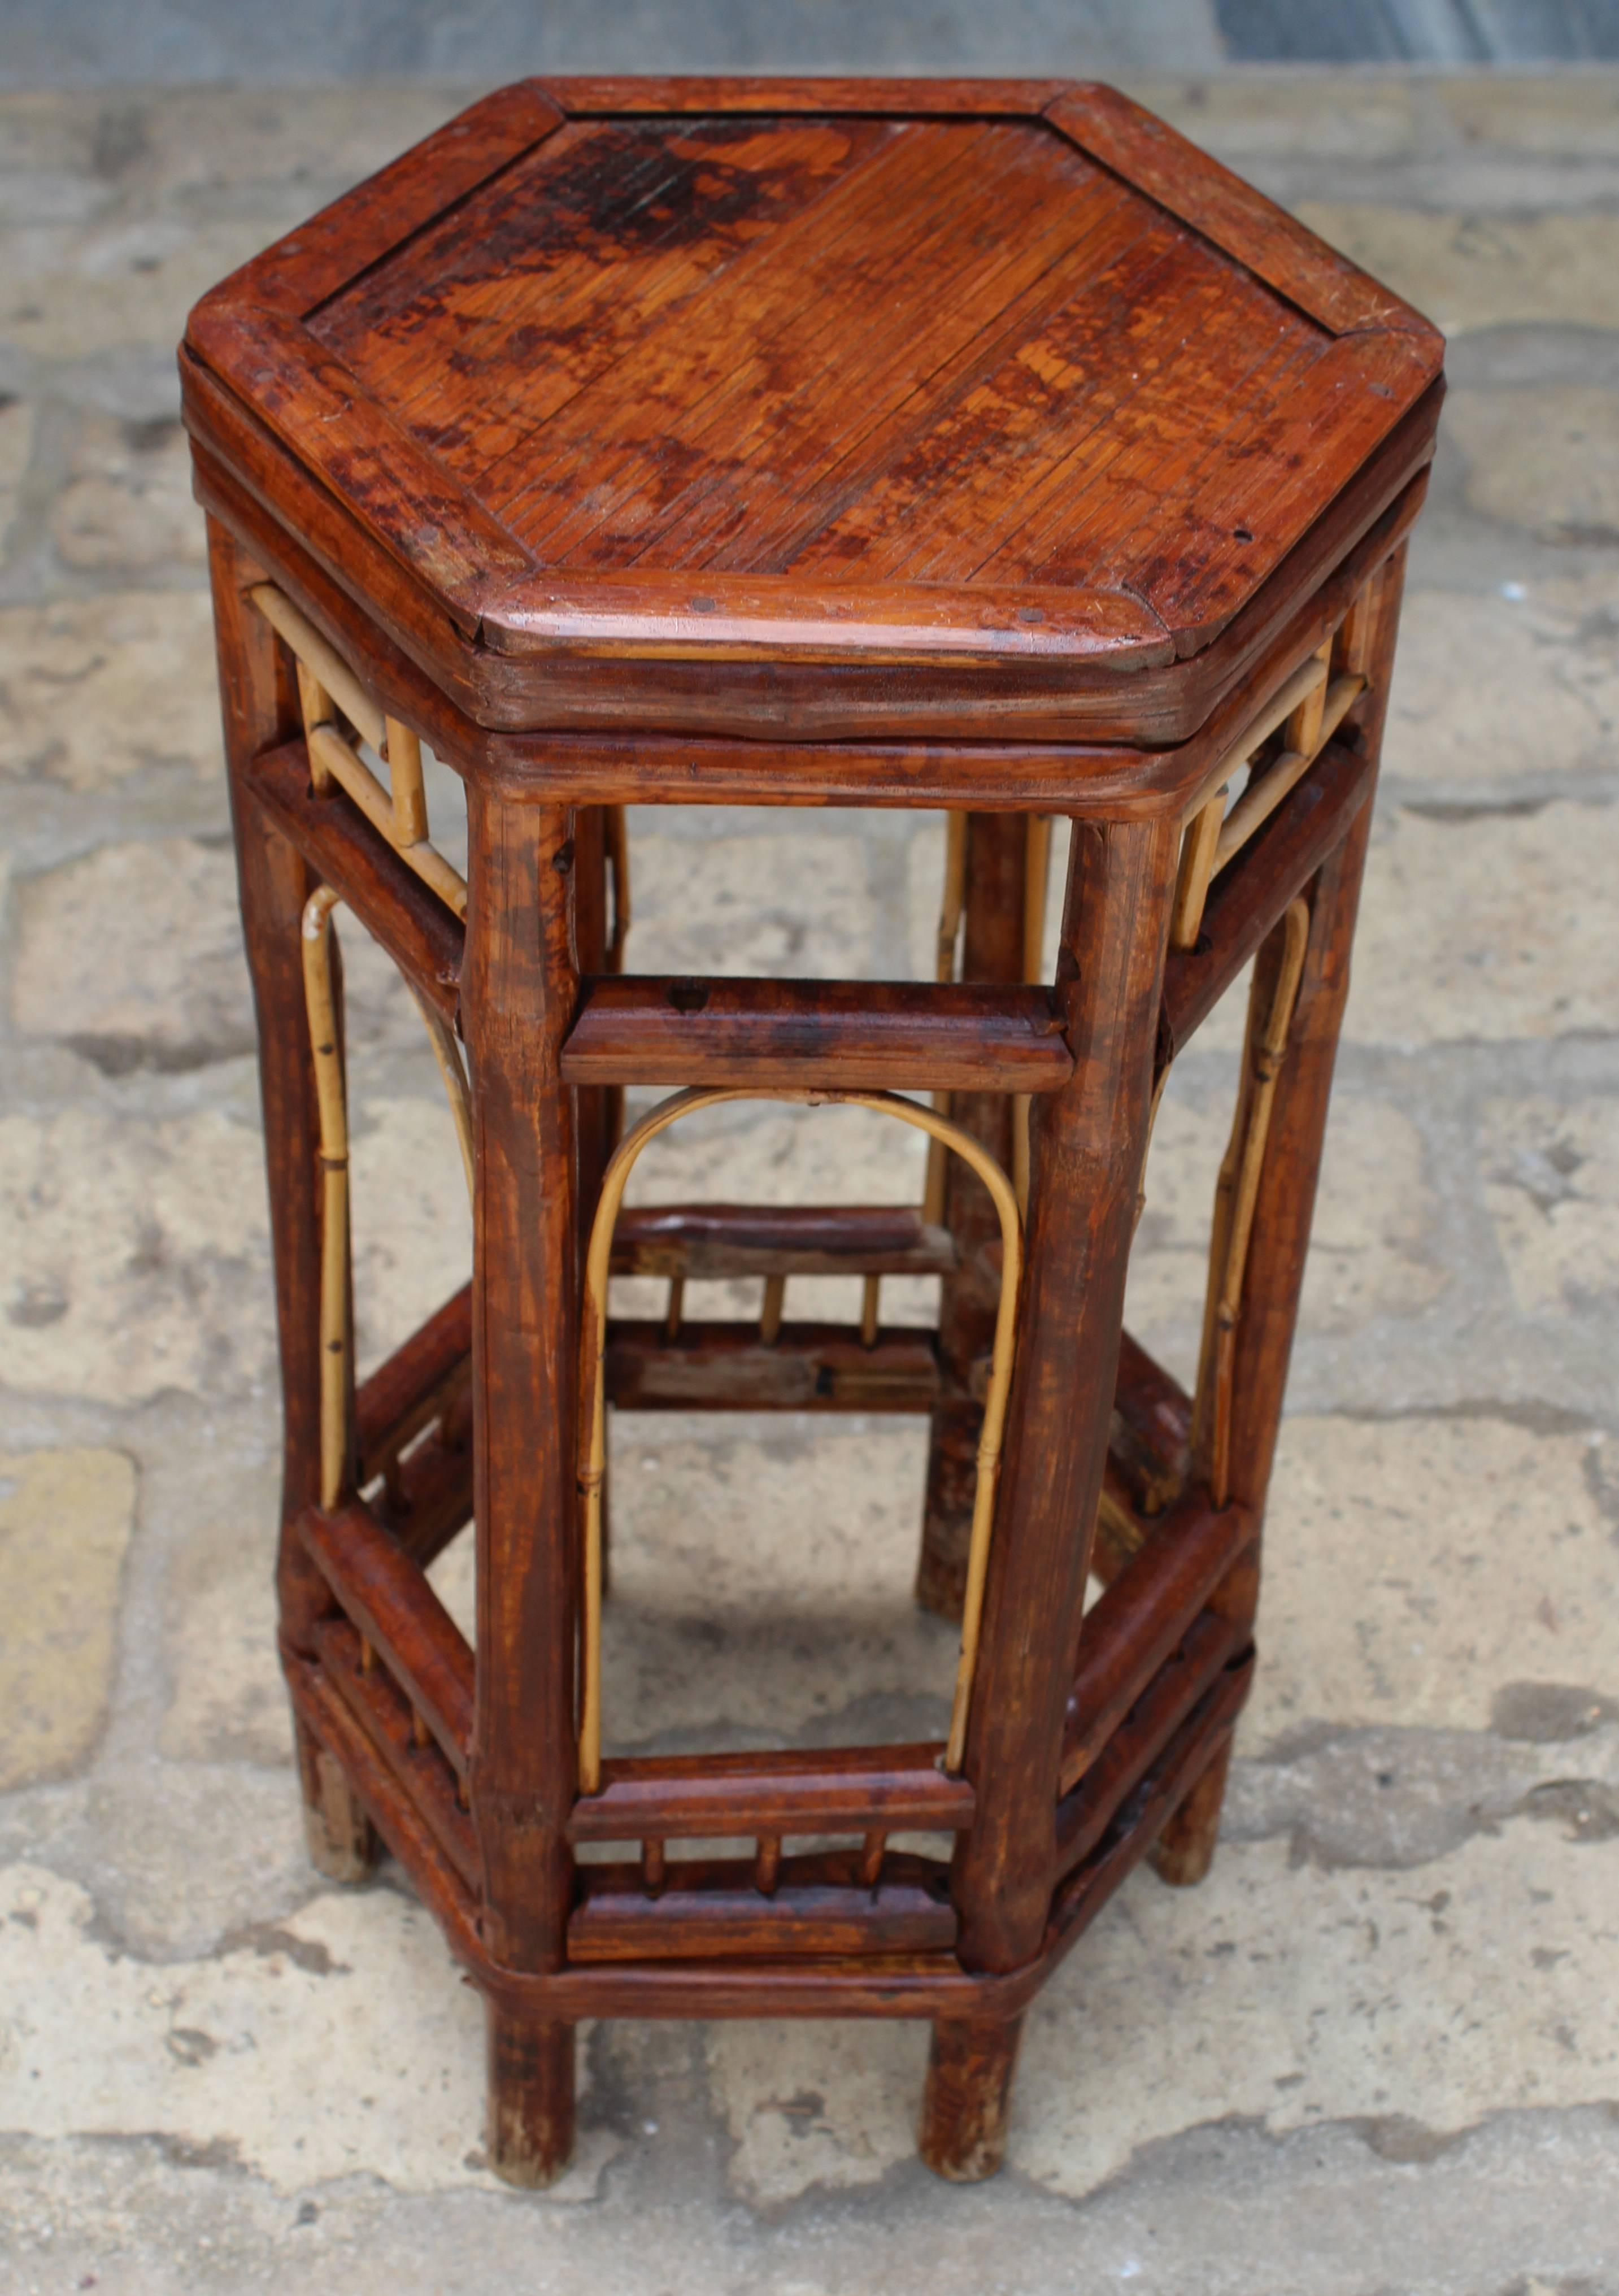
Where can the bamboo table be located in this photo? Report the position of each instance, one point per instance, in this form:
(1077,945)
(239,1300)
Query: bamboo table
(979,447)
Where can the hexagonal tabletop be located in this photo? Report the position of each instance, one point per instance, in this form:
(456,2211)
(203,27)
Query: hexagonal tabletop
(861,374)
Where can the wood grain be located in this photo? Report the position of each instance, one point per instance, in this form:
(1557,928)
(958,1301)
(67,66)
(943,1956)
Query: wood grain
(819,1035)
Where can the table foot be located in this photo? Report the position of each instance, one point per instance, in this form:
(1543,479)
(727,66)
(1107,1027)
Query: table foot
(341,1840)
(1185,1849)
(531,2097)
(969,2095)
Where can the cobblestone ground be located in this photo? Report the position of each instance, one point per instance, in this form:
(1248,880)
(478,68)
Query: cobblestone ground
(1379,2050)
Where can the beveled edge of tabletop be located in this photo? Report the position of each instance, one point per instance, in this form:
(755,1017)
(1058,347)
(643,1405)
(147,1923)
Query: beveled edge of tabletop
(462,564)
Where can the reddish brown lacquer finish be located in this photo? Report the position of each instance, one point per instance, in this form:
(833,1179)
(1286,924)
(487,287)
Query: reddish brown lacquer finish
(970,445)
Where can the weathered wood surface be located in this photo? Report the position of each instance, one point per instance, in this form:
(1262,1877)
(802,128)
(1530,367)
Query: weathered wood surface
(784,739)
(898,1036)
(945,443)
(707,1241)
(401,1616)
(852,1790)
(806,1367)
(1087,1146)
(519,990)
(711,1908)
(641,480)
(1128,1634)
(385,1715)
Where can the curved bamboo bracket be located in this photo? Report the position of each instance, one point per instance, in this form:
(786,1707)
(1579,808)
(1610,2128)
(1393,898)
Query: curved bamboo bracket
(592,1381)
(332,1101)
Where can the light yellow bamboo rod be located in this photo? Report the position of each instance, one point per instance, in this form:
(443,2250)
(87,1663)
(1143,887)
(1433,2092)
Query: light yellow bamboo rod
(1261,798)
(330,667)
(1036,882)
(1159,1082)
(332,1115)
(618,861)
(1201,845)
(953,902)
(592,1384)
(1302,730)
(1196,867)
(1282,703)
(406,788)
(331,751)
(954,896)
(446,1052)
(1268,1053)
(771,1314)
(1358,628)
(316,706)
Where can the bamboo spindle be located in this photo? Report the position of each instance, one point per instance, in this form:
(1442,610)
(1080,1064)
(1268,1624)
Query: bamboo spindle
(1262,797)
(767,1864)
(1235,1197)
(953,909)
(1206,846)
(316,706)
(403,751)
(446,1052)
(592,1381)
(333,1120)
(771,1314)
(618,865)
(1196,868)
(870,1309)
(304,643)
(1037,874)
(1359,628)
(400,814)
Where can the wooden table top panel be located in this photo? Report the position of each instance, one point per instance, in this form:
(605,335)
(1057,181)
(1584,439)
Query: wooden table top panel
(476,332)
(1056,415)
(810,312)
(900,370)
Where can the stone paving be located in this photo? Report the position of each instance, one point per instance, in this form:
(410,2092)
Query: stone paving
(1379,2050)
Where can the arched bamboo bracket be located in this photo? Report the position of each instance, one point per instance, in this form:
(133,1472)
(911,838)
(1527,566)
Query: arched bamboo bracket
(1235,1198)
(592,1381)
(953,909)
(332,1104)
(332,1113)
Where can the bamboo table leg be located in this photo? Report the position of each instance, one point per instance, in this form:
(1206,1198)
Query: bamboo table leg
(992,949)
(1283,1210)
(259,703)
(1085,1155)
(518,989)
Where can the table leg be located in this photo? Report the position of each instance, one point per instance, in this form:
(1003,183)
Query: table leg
(967,2098)
(519,990)
(992,949)
(1086,1149)
(259,704)
(1286,1204)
